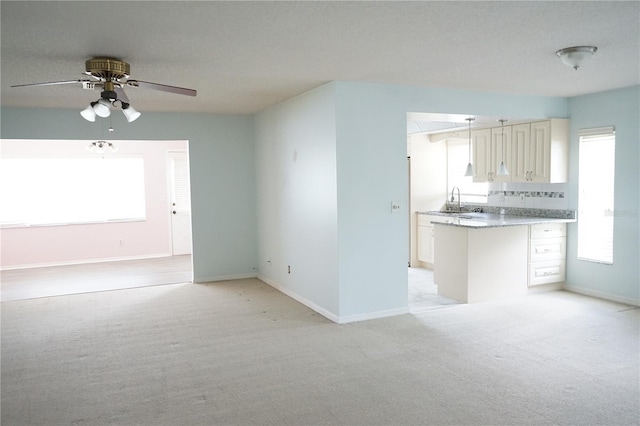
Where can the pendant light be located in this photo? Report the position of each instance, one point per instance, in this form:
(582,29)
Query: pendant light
(502,168)
(470,171)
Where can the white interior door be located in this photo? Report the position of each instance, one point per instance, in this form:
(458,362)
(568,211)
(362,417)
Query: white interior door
(180,203)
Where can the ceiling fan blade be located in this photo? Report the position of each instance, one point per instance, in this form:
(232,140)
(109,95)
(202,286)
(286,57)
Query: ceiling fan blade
(162,87)
(53,83)
(121,95)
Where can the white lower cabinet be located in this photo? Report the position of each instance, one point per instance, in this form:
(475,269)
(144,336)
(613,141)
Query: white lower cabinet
(425,240)
(547,253)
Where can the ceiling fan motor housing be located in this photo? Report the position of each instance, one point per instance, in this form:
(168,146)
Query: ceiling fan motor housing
(107,69)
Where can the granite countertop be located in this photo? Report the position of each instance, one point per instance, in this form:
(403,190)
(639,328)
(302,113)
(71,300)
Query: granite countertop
(492,220)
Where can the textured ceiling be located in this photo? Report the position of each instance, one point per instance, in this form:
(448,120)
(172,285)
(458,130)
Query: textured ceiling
(245,56)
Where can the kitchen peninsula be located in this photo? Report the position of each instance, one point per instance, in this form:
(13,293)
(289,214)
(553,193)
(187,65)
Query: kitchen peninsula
(484,256)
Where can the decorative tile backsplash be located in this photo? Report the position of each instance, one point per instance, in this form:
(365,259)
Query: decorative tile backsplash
(527,194)
(533,196)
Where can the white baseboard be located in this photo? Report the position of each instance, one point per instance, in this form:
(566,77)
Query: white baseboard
(330,315)
(601,295)
(309,304)
(84,261)
(374,315)
(202,280)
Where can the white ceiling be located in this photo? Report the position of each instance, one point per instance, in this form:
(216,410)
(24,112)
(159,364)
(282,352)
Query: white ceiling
(245,56)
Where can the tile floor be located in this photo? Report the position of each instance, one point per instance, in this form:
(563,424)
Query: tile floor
(423,292)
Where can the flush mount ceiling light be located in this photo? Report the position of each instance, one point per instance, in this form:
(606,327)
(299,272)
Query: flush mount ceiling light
(111,75)
(576,55)
(99,147)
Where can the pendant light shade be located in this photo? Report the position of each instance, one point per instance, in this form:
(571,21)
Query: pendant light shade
(502,168)
(470,171)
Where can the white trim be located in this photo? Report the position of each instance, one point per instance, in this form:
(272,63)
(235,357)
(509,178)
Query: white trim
(601,295)
(597,131)
(325,313)
(373,315)
(84,261)
(202,280)
(330,315)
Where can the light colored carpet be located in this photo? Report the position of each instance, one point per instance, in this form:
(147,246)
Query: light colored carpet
(241,353)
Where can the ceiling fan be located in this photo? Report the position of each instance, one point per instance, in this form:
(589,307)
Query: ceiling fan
(111,75)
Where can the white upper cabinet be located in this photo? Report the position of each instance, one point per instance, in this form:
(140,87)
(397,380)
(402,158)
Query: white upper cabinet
(482,155)
(533,152)
(520,152)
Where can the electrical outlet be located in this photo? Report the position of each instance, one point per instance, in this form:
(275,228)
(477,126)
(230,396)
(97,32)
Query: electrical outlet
(121,242)
(395,207)
(522,198)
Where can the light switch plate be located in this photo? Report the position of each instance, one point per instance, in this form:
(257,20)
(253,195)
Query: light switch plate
(395,207)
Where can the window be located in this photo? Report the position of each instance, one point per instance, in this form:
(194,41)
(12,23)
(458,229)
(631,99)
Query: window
(457,160)
(596,177)
(51,191)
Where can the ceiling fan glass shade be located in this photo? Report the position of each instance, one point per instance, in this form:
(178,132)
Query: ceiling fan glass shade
(502,169)
(88,114)
(129,112)
(102,108)
(575,56)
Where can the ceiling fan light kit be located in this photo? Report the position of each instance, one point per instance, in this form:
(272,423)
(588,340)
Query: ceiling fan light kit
(576,55)
(111,75)
(99,147)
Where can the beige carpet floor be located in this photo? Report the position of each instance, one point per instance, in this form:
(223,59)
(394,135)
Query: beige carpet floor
(241,353)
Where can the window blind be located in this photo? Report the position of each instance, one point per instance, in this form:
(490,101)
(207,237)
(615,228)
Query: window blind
(596,183)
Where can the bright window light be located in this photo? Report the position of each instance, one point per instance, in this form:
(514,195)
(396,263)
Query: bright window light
(54,191)
(596,177)
(457,160)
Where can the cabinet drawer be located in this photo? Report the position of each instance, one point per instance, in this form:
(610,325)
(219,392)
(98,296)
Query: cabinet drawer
(547,230)
(425,220)
(552,271)
(547,249)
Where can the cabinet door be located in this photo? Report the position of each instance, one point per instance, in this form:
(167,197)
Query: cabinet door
(482,155)
(540,152)
(520,152)
(425,244)
(552,271)
(500,151)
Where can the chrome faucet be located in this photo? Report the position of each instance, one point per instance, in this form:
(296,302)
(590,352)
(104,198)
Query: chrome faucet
(452,197)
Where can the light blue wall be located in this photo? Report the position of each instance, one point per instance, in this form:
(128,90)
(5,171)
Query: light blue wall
(365,124)
(621,109)
(297,203)
(373,244)
(222,174)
